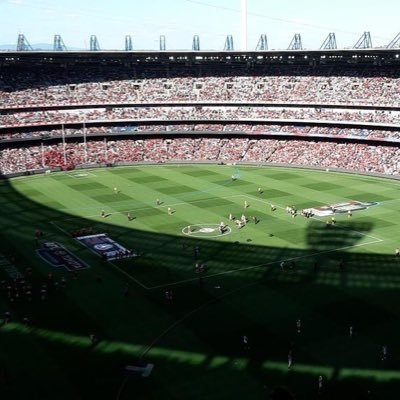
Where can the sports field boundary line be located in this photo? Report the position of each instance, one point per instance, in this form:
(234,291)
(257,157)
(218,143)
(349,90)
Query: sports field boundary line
(314,218)
(390,179)
(189,313)
(86,174)
(59,228)
(305,168)
(149,347)
(262,265)
(129,276)
(132,278)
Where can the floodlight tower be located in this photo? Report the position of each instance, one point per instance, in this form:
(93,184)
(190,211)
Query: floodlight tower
(23,44)
(163,45)
(196,43)
(128,43)
(365,41)
(329,42)
(229,43)
(58,44)
(243,25)
(94,43)
(296,44)
(395,43)
(262,43)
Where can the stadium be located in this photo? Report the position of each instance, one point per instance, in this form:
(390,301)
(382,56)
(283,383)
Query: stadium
(200,224)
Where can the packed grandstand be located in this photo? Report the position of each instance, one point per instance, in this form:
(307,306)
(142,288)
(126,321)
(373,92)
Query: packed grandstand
(63,112)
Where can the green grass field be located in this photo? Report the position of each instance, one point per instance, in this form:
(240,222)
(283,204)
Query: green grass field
(195,341)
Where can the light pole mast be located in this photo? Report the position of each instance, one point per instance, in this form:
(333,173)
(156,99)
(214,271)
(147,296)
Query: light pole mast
(243,26)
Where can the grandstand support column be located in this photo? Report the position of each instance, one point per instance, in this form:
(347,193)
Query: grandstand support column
(25,161)
(105,150)
(42,154)
(64,145)
(85,143)
(243,26)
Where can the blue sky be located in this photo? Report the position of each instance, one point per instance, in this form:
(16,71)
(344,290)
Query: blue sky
(212,20)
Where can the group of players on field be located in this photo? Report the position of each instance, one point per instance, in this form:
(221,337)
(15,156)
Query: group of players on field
(243,219)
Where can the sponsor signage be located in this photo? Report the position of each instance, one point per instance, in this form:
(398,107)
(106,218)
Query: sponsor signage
(57,255)
(105,247)
(343,207)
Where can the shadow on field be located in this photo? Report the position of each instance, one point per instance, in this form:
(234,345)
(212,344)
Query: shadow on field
(321,236)
(195,339)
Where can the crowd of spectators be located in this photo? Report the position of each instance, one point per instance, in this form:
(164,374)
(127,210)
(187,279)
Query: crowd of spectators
(311,91)
(210,113)
(350,156)
(337,85)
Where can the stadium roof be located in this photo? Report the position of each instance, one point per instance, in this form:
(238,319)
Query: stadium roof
(376,56)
